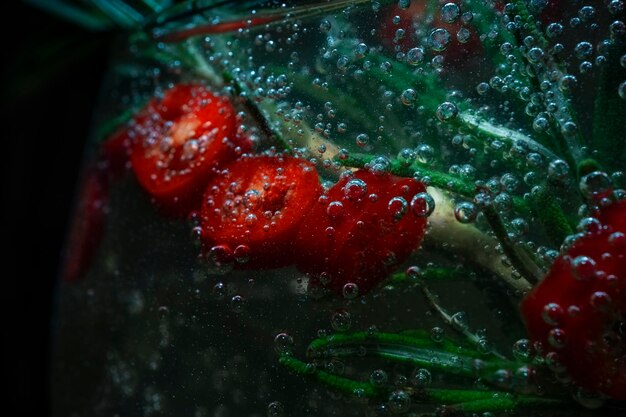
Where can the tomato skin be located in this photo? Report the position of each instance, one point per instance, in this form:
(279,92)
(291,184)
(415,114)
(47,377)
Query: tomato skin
(114,155)
(352,235)
(253,209)
(87,225)
(584,304)
(179,142)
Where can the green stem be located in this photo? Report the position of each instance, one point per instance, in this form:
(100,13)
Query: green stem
(393,342)
(341,384)
(550,214)
(505,404)
(462,328)
(572,151)
(463,400)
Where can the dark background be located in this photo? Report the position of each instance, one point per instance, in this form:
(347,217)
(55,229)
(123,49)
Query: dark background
(51,74)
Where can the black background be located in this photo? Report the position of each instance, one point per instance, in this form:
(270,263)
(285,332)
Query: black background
(51,75)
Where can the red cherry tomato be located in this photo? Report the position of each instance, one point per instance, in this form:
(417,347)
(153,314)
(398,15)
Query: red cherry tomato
(359,231)
(252,211)
(576,315)
(179,142)
(114,155)
(87,225)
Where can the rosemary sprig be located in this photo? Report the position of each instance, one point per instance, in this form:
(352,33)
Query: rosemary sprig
(610,111)
(469,400)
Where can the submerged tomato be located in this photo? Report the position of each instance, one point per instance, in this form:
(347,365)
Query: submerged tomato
(577,314)
(87,225)
(252,211)
(114,155)
(179,141)
(360,230)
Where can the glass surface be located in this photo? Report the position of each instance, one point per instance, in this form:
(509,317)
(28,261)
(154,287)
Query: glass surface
(474,143)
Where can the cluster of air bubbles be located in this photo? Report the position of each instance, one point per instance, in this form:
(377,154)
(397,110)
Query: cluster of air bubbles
(380,165)
(407,156)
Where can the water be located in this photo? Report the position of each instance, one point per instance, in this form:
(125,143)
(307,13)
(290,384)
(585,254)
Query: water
(486,105)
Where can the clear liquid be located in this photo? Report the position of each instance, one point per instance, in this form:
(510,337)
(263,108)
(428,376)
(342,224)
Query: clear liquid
(151,329)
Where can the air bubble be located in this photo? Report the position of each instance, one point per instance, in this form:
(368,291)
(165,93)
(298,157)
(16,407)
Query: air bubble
(398,207)
(583,268)
(482,88)
(362,140)
(557,338)
(237,303)
(596,185)
(446,111)
(552,314)
(378,378)
(463,35)
(450,12)
(437,334)
(275,409)
(422,205)
(522,350)
(408,97)
(439,39)
(407,156)
(242,254)
(335,209)
(251,199)
(350,291)
(583,50)
(465,212)
(421,378)
(341,320)
(325,26)
(414,56)
(399,402)
(355,189)
(558,170)
(219,291)
(283,344)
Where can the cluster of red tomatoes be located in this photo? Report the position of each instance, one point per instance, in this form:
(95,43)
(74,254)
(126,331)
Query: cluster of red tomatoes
(270,210)
(255,210)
